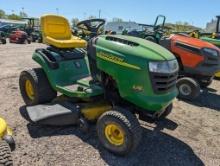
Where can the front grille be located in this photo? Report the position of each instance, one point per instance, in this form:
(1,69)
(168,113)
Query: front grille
(211,61)
(163,83)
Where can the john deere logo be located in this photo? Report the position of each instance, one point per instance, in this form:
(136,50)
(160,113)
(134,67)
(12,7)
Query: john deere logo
(116,60)
(108,56)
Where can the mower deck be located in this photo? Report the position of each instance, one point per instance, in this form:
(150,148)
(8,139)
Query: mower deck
(54,114)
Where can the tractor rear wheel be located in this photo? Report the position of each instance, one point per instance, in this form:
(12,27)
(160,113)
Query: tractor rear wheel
(5,154)
(119,131)
(35,87)
(151,38)
(188,88)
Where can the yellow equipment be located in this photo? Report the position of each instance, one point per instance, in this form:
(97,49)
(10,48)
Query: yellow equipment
(6,144)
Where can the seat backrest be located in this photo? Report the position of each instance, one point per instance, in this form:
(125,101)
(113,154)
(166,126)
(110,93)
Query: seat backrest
(56,27)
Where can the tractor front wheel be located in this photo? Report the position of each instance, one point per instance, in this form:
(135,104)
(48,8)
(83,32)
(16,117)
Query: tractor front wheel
(188,88)
(5,154)
(166,112)
(119,131)
(35,87)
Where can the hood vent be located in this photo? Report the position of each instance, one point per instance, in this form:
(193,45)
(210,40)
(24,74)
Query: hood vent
(123,41)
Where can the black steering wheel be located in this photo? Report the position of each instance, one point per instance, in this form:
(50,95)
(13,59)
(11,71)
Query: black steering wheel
(159,29)
(91,27)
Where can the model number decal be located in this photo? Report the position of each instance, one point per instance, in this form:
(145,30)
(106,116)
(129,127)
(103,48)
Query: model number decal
(137,87)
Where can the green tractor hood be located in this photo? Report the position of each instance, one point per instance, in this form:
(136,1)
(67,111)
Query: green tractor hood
(128,45)
(126,59)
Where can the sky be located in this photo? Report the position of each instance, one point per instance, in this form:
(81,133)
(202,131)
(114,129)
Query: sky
(195,12)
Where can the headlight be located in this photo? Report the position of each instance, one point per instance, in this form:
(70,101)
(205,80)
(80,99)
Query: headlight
(210,52)
(164,66)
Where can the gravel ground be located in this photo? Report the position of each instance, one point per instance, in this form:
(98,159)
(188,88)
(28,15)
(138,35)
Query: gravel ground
(189,136)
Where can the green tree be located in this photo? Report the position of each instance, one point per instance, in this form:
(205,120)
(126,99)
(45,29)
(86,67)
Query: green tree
(2,14)
(183,27)
(117,19)
(74,22)
(23,14)
(14,17)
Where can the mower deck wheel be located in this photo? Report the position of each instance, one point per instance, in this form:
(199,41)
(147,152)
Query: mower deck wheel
(206,83)
(188,88)
(119,131)
(167,111)
(5,154)
(35,87)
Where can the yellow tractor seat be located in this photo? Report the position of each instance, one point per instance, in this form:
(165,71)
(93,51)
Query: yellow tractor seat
(56,32)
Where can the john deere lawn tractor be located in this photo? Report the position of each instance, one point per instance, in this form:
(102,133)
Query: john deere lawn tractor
(6,144)
(198,60)
(113,80)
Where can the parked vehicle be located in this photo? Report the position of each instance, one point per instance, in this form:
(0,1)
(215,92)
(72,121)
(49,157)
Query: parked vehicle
(7,29)
(95,78)
(32,28)
(19,37)
(198,60)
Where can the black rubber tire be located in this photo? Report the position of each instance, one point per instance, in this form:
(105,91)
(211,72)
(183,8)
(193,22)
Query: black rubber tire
(167,111)
(150,38)
(5,154)
(4,41)
(29,41)
(128,122)
(43,92)
(33,39)
(205,83)
(39,40)
(192,84)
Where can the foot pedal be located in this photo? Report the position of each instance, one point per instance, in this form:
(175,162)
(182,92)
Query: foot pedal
(60,114)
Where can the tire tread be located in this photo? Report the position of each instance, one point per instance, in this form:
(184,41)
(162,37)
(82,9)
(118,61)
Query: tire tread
(5,154)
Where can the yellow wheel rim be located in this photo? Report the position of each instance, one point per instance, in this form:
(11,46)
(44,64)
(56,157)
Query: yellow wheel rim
(115,134)
(29,89)
(3,127)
